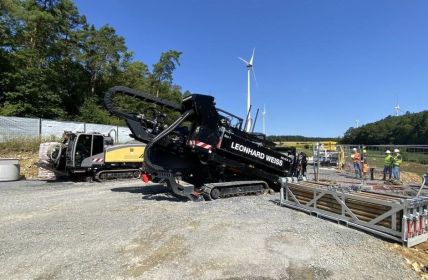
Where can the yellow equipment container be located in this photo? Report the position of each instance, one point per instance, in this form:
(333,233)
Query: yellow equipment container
(124,153)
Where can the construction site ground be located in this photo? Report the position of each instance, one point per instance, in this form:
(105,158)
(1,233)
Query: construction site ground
(124,230)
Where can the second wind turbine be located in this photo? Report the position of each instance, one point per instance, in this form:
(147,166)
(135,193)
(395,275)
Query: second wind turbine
(249,65)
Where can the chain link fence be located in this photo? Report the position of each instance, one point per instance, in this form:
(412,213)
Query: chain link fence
(15,127)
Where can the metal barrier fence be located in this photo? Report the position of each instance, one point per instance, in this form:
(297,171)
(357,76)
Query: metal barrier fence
(15,127)
(415,157)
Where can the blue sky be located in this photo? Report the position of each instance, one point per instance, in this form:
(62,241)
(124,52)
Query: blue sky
(320,65)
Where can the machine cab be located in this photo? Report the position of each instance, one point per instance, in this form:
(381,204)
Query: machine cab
(82,146)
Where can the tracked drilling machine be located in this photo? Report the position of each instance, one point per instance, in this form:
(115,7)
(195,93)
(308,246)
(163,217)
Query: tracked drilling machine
(204,153)
(92,156)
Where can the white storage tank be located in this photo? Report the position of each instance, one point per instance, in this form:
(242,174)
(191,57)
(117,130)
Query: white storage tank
(9,169)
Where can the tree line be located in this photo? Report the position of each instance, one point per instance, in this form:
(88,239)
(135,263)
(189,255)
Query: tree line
(407,129)
(299,138)
(396,130)
(56,65)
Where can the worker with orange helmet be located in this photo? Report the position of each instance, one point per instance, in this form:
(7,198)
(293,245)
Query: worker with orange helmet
(357,162)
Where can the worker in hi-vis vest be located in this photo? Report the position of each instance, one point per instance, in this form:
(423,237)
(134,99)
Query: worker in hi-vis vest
(357,163)
(396,162)
(387,165)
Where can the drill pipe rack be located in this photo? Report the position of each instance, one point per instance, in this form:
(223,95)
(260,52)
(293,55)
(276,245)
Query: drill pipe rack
(399,218)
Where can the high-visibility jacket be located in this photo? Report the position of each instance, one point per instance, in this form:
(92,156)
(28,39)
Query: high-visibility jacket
(356,157)
(397,159)
(388,160)
(365,167)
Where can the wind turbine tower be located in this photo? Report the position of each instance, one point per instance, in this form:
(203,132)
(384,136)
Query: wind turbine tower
(397,109)
(249,65)
(264,119)
(357,123)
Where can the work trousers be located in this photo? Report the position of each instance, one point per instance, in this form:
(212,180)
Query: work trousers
(357,169)
(396,172)
(387,169)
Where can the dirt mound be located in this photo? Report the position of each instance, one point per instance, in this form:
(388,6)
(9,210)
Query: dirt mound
(410,178)
(27,160)
(416,257)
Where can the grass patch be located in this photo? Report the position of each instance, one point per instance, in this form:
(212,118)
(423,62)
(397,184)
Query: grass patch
(25,144)
(308,152)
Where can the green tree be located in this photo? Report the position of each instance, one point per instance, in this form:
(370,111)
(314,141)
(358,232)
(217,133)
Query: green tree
(92,112)
(134,74)
(38,36)
(102,52)
(394,130)
(163,70)
(55,65)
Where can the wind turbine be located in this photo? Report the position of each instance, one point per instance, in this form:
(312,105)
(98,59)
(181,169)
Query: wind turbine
(397,109)
(264,119)
(357,123)
(249,65)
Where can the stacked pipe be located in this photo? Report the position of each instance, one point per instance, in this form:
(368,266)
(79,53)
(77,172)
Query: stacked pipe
(400,218)
(363,210)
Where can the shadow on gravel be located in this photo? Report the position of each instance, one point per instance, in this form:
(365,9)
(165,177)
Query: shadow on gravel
(350,177)
(149,189)
(151,192)
(274,201)
(62,181)
(165,197)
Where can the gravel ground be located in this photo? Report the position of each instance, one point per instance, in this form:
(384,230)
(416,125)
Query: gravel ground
(122,230)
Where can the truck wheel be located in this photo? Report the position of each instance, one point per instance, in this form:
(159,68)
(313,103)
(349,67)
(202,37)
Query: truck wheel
(215,193)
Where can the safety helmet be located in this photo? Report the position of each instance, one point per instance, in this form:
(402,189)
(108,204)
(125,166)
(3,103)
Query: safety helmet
(387,152)
(364,151)
(354,149)
(396,151)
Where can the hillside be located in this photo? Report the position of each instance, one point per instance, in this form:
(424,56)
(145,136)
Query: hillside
(411,128)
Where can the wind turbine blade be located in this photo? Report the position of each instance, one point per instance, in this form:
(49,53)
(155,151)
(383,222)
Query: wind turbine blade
(246,62)
(252,57)
(254,75)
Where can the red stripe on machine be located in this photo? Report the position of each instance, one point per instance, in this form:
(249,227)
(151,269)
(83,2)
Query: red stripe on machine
(199,144)
(203,145)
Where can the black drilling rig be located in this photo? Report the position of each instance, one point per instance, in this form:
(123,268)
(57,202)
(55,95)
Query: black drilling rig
(204,153)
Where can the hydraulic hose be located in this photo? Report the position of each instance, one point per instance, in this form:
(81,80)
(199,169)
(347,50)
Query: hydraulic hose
(161,135)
